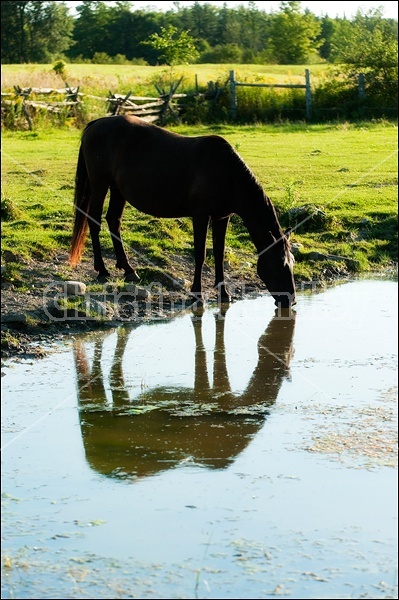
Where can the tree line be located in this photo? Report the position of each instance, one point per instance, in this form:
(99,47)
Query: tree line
(43,31)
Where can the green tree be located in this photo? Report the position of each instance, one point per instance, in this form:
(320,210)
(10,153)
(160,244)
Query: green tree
(251,26)
(293,34)
(203,21)
(127,30)
(326,34)
(174,48)
(91,29)
(228,29)
(371,48)
(34,31)
(222,53)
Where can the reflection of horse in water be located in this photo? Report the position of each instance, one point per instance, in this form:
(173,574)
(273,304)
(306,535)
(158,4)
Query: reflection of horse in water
(165,426)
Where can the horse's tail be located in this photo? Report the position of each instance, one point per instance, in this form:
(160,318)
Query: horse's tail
(81,204)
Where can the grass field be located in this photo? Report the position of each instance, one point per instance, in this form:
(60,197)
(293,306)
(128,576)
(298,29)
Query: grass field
(97,82)
(344,175)
(123,78)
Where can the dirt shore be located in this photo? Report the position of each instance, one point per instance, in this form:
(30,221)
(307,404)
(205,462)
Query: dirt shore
(36,312)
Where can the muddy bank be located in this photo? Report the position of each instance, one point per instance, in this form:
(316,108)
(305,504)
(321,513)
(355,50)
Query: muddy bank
(37,310)
(39,307)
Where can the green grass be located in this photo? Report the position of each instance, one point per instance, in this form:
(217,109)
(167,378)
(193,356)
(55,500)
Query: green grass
(349,172)
(96,81)
(121,78)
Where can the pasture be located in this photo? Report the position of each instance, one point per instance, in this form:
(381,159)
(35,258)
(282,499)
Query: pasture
(205,90)
(344,175)
(95,78)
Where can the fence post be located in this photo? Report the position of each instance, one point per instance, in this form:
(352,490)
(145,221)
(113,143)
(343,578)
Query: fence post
(233,96)
(308,96)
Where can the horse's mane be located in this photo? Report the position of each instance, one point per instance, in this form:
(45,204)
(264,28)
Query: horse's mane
(248,176)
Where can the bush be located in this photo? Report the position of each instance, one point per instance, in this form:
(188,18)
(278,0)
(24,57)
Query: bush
(338,97)
(59,68)
(269,104)
(101,58)
(226,53)
(9,211)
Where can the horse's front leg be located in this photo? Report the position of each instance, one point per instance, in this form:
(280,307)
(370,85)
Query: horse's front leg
(219,228)
(200,227)
(114,220)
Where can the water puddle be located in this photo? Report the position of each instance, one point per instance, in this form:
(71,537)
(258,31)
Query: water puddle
(229,454)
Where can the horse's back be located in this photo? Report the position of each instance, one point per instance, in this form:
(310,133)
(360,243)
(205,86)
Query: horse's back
(123,129)
(161,172)
(149,140)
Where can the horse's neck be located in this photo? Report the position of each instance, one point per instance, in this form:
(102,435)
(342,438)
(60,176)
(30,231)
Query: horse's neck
(260,218)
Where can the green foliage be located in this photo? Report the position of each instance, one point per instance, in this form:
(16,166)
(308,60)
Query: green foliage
(44,31)
(34,31)
(338,97)
(9,342)
(174,48)
(293,34)
(269,104)
(222,53)
(101,58)
(370,47)
(59,68)
(335,97)
(9,211)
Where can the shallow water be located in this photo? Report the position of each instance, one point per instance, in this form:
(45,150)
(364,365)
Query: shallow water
(234,455)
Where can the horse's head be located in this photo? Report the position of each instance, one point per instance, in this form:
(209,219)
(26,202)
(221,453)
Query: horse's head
(275,268)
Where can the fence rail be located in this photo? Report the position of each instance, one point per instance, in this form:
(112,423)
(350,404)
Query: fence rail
(146,107)
(28,101)
(234,84)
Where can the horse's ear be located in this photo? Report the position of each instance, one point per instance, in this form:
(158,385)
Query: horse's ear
(288,232)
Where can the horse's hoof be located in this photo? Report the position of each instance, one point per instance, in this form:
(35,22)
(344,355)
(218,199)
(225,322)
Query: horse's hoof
(132,277)
(196,303)
(195,300)
(104,278)
(224,299)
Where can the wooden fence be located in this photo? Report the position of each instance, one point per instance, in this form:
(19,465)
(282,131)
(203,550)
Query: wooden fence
(148,108)
(234,84)
(166,106)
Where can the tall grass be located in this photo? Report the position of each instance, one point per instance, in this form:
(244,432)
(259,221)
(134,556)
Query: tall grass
(94,76)
(333,97)
(254,104)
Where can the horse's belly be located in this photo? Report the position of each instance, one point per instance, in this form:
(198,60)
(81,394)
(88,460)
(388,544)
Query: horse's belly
(156,205)
(168,196)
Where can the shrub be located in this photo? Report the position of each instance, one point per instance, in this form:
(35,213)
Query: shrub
(9,211)
(59,67)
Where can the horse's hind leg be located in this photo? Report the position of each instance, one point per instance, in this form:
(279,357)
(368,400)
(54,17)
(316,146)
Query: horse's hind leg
(114,219)
(97,199)
(219,228)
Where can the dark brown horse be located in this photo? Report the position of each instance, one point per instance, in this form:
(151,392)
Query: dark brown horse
(165,174)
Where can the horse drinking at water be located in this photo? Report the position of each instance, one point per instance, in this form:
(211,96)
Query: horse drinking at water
(165,174)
